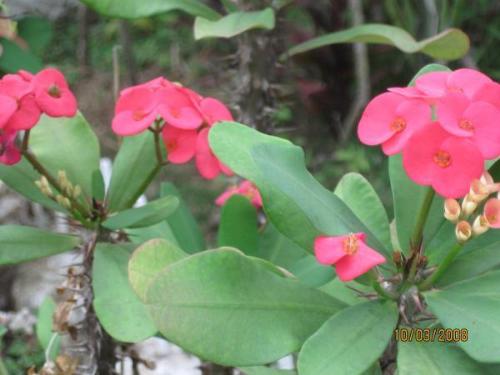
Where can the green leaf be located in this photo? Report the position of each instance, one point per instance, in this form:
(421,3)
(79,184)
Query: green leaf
(350,341)
(478,256)
(148,260)
(451,44)
(310,272)
(145,216)
(436,358)
(347,292)
(67,144)
(14,58)
(21,244)
(140,9)
(44,331)
(3,330)
(278,249)
(292,197)
(134,165)
(118,308)
(234,24)
(161,230)
(98,186)
(359,195)
(474,305)
(37,32)
(183,224)
(229,6)
(21,178)
(238,225)
(195,299)
(262,370)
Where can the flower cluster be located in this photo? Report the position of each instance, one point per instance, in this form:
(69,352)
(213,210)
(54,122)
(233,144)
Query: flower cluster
(460,214)
(350,254)
(183,116)
(23,98)
(446,126)
(246,189)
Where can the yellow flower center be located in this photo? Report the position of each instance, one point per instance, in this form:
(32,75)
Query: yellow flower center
(350,244)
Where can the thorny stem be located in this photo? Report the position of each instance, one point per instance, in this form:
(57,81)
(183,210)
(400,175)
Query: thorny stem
(376,279)
(80,209)
(427,283)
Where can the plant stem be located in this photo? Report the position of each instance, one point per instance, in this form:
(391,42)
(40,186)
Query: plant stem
(144,185)
(374,275)
(427,283)
(416,238)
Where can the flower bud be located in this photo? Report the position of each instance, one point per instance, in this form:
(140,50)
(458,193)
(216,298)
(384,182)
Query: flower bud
(492,212)
(452,210)
(480,225)
(62,179)
(468,205)
(77,191)
(63,201)
(463,231)
(479,191)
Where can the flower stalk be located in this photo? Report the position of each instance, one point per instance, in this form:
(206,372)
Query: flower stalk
(432,279)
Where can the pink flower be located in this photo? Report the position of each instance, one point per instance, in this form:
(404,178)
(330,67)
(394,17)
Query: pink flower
(52,93)
(448,163)
(349,253)
(153,85)
(464,81)
(476,120)
(492,212)
(180,144)
(177,109)
(8,107)
(246,189)
(214,111)
(390,119)
(490,93)
(135,112)
(27,111)
(9,153)
(207,163)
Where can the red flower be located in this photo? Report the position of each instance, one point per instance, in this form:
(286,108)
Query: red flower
(9,153)
(350,254)
(448,163)
(52,93)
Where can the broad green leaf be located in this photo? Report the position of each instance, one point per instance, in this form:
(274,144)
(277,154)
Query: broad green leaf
(44,331)
(3,330)
(98,185)
(148,260)
(292,197)
(145,216)
(278,249)
(451,44)
(436,358)
(140,9)
(229,6)
(67,144)
(351,293)
(284,168)
(195,299)
(350,341)
(183,224)
(161,230)
(408,198)
(238,225)
(21,178)
(310,272)
(262,370)
(234,24)
(14,58)
(362,199)
(120,311)
(37,32)
(478,256)
(474,305)
(21,244)
(135,164)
